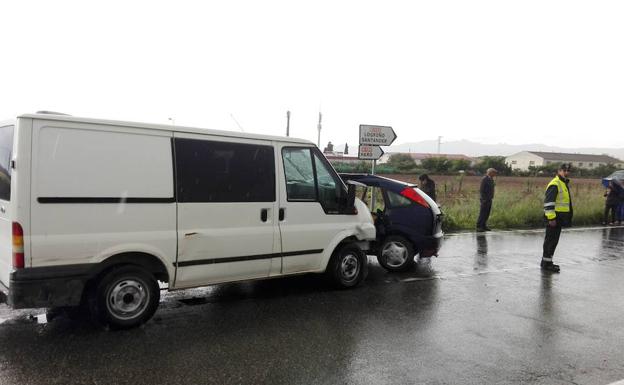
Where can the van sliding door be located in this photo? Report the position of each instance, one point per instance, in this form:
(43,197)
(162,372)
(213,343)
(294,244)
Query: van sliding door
(227,218)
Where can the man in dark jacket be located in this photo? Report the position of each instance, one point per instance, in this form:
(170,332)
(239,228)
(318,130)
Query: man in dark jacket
(558,213)
(486,195)
(611,204)
(427,185)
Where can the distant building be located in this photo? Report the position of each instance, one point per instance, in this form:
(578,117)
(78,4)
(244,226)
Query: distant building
(525,159)
(419,157)
(339,157)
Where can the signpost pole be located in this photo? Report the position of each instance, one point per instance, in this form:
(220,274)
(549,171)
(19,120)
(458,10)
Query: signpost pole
(372,201)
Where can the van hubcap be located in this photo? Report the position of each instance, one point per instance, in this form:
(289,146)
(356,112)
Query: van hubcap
(349,267)
(395,254)
(128,299)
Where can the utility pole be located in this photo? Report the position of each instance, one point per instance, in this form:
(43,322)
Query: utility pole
(287,123)
(439,141)
(318,142)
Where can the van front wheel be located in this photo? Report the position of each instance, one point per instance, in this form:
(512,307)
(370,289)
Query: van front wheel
(347,266)
(126,297)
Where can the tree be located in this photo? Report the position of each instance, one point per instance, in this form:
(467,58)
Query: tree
(497,162)
(436,164)
(402,162)
(460,164)
(604,170)
(547,169)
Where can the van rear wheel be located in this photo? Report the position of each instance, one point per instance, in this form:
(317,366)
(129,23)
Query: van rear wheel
(347,266)
(126,297)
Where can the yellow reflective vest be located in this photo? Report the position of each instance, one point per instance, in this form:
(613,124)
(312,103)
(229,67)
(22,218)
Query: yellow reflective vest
(558,204)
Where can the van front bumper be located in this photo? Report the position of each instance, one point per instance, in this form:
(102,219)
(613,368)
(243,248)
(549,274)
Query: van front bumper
(366,231)
(47,286)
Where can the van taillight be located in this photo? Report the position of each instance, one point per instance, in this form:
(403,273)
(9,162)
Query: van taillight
(414,196)
(18,246)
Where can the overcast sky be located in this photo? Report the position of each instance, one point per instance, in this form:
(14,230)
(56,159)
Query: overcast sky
(496,71)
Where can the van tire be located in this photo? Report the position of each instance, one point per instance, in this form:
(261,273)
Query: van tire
(347,266)
(125,297)
(396,253)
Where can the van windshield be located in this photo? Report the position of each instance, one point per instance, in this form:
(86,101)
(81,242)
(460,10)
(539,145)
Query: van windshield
(6,149)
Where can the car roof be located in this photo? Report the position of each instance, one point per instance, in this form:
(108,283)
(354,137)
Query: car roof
(616,175)
(378,181)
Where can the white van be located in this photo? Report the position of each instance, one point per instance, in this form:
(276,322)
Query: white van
(96,212)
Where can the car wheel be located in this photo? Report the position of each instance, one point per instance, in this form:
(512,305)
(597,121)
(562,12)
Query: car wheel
(347,266)
(126,297)
(396,253)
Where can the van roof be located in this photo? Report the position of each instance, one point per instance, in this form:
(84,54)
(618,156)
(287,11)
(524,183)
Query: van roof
(164,127)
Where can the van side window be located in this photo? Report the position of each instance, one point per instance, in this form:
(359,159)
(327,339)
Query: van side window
(310,178)
(209,171)
(328,187)
(6,149)
(300,181)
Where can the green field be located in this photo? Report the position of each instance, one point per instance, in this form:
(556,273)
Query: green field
(518,202)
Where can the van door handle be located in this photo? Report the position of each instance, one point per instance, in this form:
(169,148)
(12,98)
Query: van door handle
(282,213)
(2,210)
(264,215)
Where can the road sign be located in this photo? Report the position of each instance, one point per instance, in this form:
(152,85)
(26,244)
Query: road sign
(370,152)
(376,135)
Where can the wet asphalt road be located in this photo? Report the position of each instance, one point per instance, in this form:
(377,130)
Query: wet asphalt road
(481,313)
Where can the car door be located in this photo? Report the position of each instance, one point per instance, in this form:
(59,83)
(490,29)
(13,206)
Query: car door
(227,202)
(310,216)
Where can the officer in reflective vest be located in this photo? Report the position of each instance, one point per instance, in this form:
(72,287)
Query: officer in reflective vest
(558,212)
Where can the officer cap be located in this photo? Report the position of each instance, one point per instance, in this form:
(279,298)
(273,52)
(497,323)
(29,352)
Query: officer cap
(566,167)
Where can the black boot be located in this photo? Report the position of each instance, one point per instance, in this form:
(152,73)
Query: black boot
(549,266)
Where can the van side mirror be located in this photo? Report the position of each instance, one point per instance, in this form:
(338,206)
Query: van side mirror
(349,207)
(350,195)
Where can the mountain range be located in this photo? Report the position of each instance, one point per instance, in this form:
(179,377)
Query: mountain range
(474,149)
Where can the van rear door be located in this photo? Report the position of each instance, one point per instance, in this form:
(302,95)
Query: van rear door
(6,251)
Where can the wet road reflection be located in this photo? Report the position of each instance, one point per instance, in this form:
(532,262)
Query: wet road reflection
(481,256)
(482,312)
(612,243)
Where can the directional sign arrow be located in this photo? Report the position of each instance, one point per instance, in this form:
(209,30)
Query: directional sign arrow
(370,152)
(376,135)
